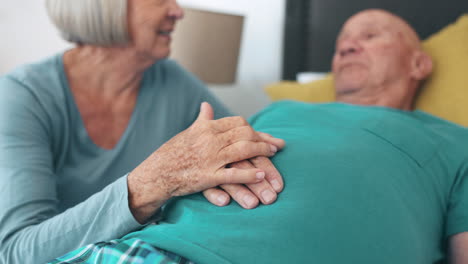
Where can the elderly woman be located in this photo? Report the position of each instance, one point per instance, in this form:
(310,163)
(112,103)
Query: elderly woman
(83,156)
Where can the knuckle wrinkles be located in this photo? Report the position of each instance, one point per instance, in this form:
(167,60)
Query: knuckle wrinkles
(266,148)
(244,148)
(241,193)
(229,174)
(251,133)
(229,138)
(244,121)
(240,120)
(233,119)
(245,132)
(256,160)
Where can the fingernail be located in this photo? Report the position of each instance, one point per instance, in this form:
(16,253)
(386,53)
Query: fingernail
(273,148)
(268,196)
(249,201)
(260,175)
(276,185)
(221,200)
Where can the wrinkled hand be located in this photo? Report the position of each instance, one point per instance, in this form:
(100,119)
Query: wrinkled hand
(249,195)
(195,160)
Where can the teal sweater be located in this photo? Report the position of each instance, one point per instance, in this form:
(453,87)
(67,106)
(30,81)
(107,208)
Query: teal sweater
(59,190)
(362,185)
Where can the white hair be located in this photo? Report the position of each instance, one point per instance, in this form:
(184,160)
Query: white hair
(95,22)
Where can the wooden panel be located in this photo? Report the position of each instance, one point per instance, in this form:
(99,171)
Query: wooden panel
(208,43)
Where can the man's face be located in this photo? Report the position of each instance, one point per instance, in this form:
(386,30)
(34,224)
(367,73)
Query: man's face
(373,51)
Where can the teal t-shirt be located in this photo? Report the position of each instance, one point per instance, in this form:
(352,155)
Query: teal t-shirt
(363,185)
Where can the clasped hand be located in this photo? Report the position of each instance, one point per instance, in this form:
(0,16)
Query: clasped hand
(208,154)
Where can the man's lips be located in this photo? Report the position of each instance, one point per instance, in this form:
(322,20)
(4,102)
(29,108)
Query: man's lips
(350,64)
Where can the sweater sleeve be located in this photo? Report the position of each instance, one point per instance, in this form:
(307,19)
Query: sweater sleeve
(32,230)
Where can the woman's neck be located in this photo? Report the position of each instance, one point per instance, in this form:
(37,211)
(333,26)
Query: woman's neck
(107,71)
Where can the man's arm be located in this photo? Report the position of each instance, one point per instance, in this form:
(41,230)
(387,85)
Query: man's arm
(458,248)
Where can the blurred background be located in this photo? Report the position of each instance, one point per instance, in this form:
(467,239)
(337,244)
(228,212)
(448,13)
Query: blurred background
(28,35)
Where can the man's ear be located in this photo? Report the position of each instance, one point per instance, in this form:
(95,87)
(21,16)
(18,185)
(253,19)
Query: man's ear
(421,65)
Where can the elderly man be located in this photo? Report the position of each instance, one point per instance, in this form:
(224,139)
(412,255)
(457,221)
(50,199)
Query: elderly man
(367,180)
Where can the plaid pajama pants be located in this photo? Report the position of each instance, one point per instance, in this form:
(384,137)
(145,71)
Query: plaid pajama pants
(133,251)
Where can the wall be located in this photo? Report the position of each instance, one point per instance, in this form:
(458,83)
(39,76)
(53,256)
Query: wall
(261,50)
(260,58)
(27,35)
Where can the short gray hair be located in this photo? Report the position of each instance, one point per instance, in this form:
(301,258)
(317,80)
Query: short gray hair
(95,22)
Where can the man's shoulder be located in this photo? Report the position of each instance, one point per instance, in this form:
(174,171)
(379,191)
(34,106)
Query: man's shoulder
(291,106)
(442,127)
(279,109)
(306,111)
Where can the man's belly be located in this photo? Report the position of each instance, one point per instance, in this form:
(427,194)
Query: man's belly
(349,197)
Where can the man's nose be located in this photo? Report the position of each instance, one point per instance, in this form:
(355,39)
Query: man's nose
(347,47)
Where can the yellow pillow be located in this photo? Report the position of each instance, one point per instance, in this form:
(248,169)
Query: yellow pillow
(444,94)
(320,91)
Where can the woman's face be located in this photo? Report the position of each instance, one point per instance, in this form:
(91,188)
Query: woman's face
(150,24)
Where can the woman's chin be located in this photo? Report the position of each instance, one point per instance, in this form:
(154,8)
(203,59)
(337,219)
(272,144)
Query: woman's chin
(161,54)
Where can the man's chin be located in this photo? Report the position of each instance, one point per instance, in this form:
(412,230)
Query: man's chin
(350,80)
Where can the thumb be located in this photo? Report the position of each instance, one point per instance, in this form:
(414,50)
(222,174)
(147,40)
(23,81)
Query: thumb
(206,112)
